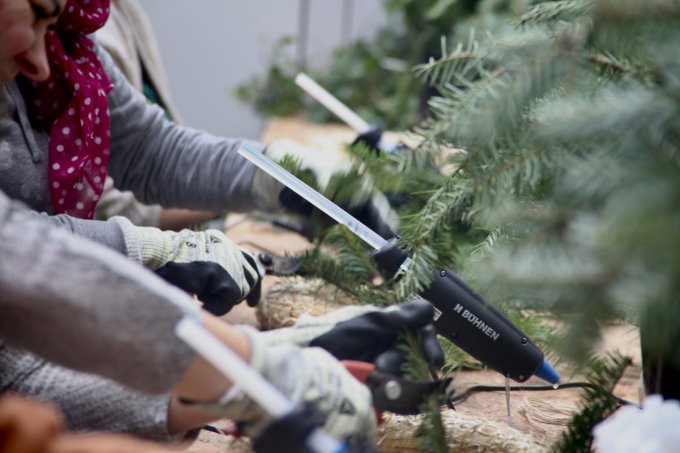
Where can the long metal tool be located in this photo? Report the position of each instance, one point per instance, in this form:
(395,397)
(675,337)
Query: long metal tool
(461,315)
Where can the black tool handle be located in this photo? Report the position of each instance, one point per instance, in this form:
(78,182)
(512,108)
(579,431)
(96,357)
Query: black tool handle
(470,322)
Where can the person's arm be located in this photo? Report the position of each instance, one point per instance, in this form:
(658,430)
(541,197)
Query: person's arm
(114,202)
(174,166)
(71,301)
(83,306)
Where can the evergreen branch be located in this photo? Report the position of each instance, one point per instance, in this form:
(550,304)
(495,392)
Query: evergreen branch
(598,404)
(435,215)
(621,115)
(460,60)
(489,106)
(431,433)
(456,359)
(415,367)
(608,63)
(456,113)
(350,271)
(487,246)
(507,167)
(556,11)
(420,273)
(636,10)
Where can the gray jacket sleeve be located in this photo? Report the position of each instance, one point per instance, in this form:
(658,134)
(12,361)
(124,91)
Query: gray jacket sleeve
(107,233)
(171,165)
(85,307)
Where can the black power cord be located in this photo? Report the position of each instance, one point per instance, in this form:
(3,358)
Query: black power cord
(462,396)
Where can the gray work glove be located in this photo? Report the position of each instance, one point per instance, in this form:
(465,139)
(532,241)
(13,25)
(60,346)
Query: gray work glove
(368,205)
(205,263)
(303,375)
(366,333)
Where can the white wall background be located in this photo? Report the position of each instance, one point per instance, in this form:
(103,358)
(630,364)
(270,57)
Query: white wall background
(211,46)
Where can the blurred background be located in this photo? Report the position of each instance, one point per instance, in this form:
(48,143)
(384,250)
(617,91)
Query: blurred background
(212,46)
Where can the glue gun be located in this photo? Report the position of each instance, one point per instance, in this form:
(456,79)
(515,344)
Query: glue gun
(461,315)
(472,324)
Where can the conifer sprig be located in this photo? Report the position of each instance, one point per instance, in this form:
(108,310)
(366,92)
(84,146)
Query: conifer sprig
(597,404)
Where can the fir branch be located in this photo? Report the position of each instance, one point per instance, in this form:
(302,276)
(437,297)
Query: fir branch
(608,64)
(456,114)
(351,269)
(487,246)
(556,11)
(456,359)
(636,10)
(598,403)
(415,367)
(461,60)
(419,275)
(431,433)
(435,215)
(628,115)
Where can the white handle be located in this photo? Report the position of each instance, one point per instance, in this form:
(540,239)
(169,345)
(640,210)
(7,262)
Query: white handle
(249,380)
(332,103)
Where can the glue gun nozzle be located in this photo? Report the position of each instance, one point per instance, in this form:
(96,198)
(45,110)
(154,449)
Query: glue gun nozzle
(548,373)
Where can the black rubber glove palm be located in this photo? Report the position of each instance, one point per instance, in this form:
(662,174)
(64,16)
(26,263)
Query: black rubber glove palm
(374,337)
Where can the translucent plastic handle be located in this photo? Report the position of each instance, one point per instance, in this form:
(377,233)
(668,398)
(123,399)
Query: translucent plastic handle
(250,381)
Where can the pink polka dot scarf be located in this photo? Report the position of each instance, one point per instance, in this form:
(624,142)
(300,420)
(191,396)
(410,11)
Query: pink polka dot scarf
(72,105)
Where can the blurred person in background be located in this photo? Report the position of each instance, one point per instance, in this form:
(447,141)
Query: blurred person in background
(129,38)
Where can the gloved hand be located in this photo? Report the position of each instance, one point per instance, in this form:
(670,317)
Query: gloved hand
(304,375)
(371,138)
(205,263)
(366,333)
(368,205)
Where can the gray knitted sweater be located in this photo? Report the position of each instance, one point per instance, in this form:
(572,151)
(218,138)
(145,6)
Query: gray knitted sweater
(67,304)
(159,161)
(77,304)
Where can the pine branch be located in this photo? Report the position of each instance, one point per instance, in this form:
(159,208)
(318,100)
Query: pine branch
(435,215)
(463,59)
(608,64)
(598,403)
(636,10)
(556,11)
(431,433)
(351,269)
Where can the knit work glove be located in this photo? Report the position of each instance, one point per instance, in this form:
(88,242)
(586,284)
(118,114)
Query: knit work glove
(371,207)
(304,375)
(367,334)
(205,263)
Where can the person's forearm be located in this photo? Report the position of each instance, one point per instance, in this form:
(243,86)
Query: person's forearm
(104,232)
(202,381)
(79,304)
(171,165)
(177,219)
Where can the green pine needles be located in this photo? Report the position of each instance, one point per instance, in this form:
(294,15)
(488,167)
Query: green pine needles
(597,404)
(548,175)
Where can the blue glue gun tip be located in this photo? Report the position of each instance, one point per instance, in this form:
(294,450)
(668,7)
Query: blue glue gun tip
(548,373)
